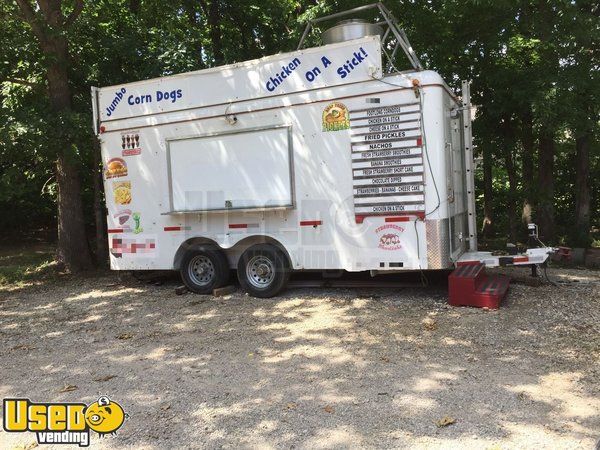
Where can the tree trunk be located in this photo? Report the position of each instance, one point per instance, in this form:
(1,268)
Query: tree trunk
(49,25)
(546,185)
(512,191)
(527,160)
(546,20)
(508,137)
(99,209)
(134,6)
(73,249)
(582,191)
(247,42)
(214,22)
(488,193)
(193,20)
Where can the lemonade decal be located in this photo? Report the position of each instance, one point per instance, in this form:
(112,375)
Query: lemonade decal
(336,117)
(62,423)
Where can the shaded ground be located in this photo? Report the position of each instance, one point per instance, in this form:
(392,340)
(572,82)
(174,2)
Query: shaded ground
(313,368)
(21,265)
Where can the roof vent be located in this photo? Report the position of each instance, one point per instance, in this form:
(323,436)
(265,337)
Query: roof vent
(346,30)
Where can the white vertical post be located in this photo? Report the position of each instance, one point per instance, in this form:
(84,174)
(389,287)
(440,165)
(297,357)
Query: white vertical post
(95,112)
(469,166)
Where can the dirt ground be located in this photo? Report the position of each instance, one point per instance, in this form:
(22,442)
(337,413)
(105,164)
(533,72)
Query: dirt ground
(313,368)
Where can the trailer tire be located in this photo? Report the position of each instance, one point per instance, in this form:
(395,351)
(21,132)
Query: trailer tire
(204,268)
(263,270)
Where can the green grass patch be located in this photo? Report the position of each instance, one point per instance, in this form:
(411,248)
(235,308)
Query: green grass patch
(26,264)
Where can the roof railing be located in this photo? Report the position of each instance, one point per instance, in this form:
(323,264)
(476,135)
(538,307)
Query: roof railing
(393,38)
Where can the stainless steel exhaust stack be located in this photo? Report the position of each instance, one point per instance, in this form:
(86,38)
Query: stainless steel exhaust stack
(393,37)
(347,30)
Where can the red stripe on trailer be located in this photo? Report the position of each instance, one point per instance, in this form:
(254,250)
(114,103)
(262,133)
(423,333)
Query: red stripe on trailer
(398,219)
(466,263)
(519,259)
(116,230)
(172,228)
(238,225)
(310,223)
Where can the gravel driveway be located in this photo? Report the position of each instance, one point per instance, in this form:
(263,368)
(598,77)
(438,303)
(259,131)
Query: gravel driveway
(313,368)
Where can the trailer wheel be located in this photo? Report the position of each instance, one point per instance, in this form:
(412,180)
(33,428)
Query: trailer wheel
(263,270)
(203,269)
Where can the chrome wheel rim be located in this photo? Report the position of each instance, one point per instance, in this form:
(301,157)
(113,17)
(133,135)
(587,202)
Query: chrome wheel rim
(260,272)
(201,270)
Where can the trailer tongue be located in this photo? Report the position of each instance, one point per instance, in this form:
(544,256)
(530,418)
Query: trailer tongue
(326,158)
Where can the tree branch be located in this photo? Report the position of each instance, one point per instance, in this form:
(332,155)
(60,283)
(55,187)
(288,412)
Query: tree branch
(204,7)
(29,16)
(74,14)
(20,81)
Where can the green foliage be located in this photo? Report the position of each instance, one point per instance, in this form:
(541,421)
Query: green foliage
(536,60)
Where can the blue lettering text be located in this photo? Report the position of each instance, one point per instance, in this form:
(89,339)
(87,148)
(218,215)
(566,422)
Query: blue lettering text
(113,105)
(277,78)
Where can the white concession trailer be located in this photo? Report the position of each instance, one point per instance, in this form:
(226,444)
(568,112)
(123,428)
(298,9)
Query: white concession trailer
(325,158)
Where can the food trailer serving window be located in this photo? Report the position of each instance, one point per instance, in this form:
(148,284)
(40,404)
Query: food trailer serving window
(246,169)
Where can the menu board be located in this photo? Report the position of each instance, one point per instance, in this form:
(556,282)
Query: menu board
(387,159)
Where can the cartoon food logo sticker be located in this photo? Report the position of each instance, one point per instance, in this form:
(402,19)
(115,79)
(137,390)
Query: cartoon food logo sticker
(105,416)
(122,192)
(137,218)
(116,167)
(130,141)
(336,117)
(130,144)
(123,217)
(389,237)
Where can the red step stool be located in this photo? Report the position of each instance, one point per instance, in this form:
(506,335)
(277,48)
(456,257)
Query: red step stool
(469,285)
